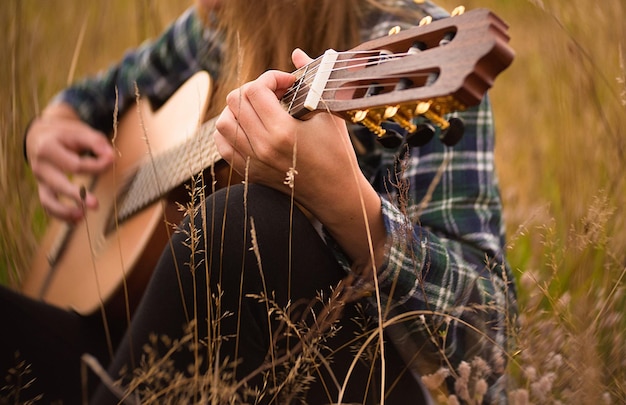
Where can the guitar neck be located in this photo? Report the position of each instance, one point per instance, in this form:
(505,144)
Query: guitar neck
(425,71)
(157,175)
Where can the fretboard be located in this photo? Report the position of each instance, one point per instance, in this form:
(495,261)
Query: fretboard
(158,175)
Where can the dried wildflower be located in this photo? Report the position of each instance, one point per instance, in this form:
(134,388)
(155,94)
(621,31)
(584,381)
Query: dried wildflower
(461,385)
(480,389)
(531,373)
(498,360)
(528,280)
(465,370)
(18,379)
(519,397)
(621,80)
(435,380)
(542,387)
(480,367)
(555,361)
(290,177)
(453,400)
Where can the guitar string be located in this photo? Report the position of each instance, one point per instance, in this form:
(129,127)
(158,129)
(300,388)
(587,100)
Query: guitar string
(372,60)
(301,97)
(305,75)
(294,106)
(140,191)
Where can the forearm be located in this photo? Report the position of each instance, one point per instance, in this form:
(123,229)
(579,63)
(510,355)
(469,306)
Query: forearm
(444,292)
(352,215)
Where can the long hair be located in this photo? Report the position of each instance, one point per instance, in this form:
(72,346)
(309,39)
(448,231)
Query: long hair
(261,34)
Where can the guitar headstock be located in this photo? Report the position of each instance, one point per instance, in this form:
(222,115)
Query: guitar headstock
(424,72)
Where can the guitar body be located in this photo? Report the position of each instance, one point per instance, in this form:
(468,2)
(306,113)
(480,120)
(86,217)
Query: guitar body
(91,263)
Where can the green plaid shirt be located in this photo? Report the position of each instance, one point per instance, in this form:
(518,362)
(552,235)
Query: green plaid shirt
(445,268)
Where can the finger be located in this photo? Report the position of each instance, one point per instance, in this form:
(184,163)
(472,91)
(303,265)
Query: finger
(234,158)
(263,95)
(94,153)
(56,208)
(231,130)
(239,108)
(221,135)
(69,160)
(72,145)
(300,58)
(60,185)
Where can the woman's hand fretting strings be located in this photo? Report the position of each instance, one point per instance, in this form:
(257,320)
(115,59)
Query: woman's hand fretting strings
(327,181)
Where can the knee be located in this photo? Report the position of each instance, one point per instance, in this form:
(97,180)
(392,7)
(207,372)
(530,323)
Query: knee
(233,206)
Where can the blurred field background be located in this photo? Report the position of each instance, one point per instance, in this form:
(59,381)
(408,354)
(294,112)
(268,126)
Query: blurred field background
(561,150)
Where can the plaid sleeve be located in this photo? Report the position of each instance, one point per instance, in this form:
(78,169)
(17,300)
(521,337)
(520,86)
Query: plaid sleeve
(446,292)
(445,274)
(158,68)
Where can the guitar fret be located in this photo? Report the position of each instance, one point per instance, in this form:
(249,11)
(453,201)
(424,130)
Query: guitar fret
(160,174)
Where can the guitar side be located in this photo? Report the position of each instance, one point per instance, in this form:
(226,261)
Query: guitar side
(83,266)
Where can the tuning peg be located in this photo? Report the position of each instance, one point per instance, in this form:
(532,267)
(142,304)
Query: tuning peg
(451,130)
(424,108)
(421,136)
(390,139)
(425,21)
(394,30)
(417,47)
(447,38)
(401,116)
(369,120)
(454,132)
(373,90)
(457,11)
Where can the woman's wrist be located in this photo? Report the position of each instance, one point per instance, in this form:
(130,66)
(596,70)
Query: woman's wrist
(352,214)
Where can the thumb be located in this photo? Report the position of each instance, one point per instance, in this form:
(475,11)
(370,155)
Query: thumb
(300,58)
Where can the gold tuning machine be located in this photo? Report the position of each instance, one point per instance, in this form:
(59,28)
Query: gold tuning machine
(425,109)
(394,30)
(368,119)
(418,132)
(457,11)
(425,21)
(451,130)
(402,116)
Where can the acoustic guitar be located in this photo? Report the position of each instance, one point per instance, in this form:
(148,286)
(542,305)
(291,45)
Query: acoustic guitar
(413,77)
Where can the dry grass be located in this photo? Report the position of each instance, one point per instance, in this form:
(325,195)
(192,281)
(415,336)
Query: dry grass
(560,112)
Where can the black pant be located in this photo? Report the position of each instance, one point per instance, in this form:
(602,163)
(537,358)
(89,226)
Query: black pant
(290,264)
